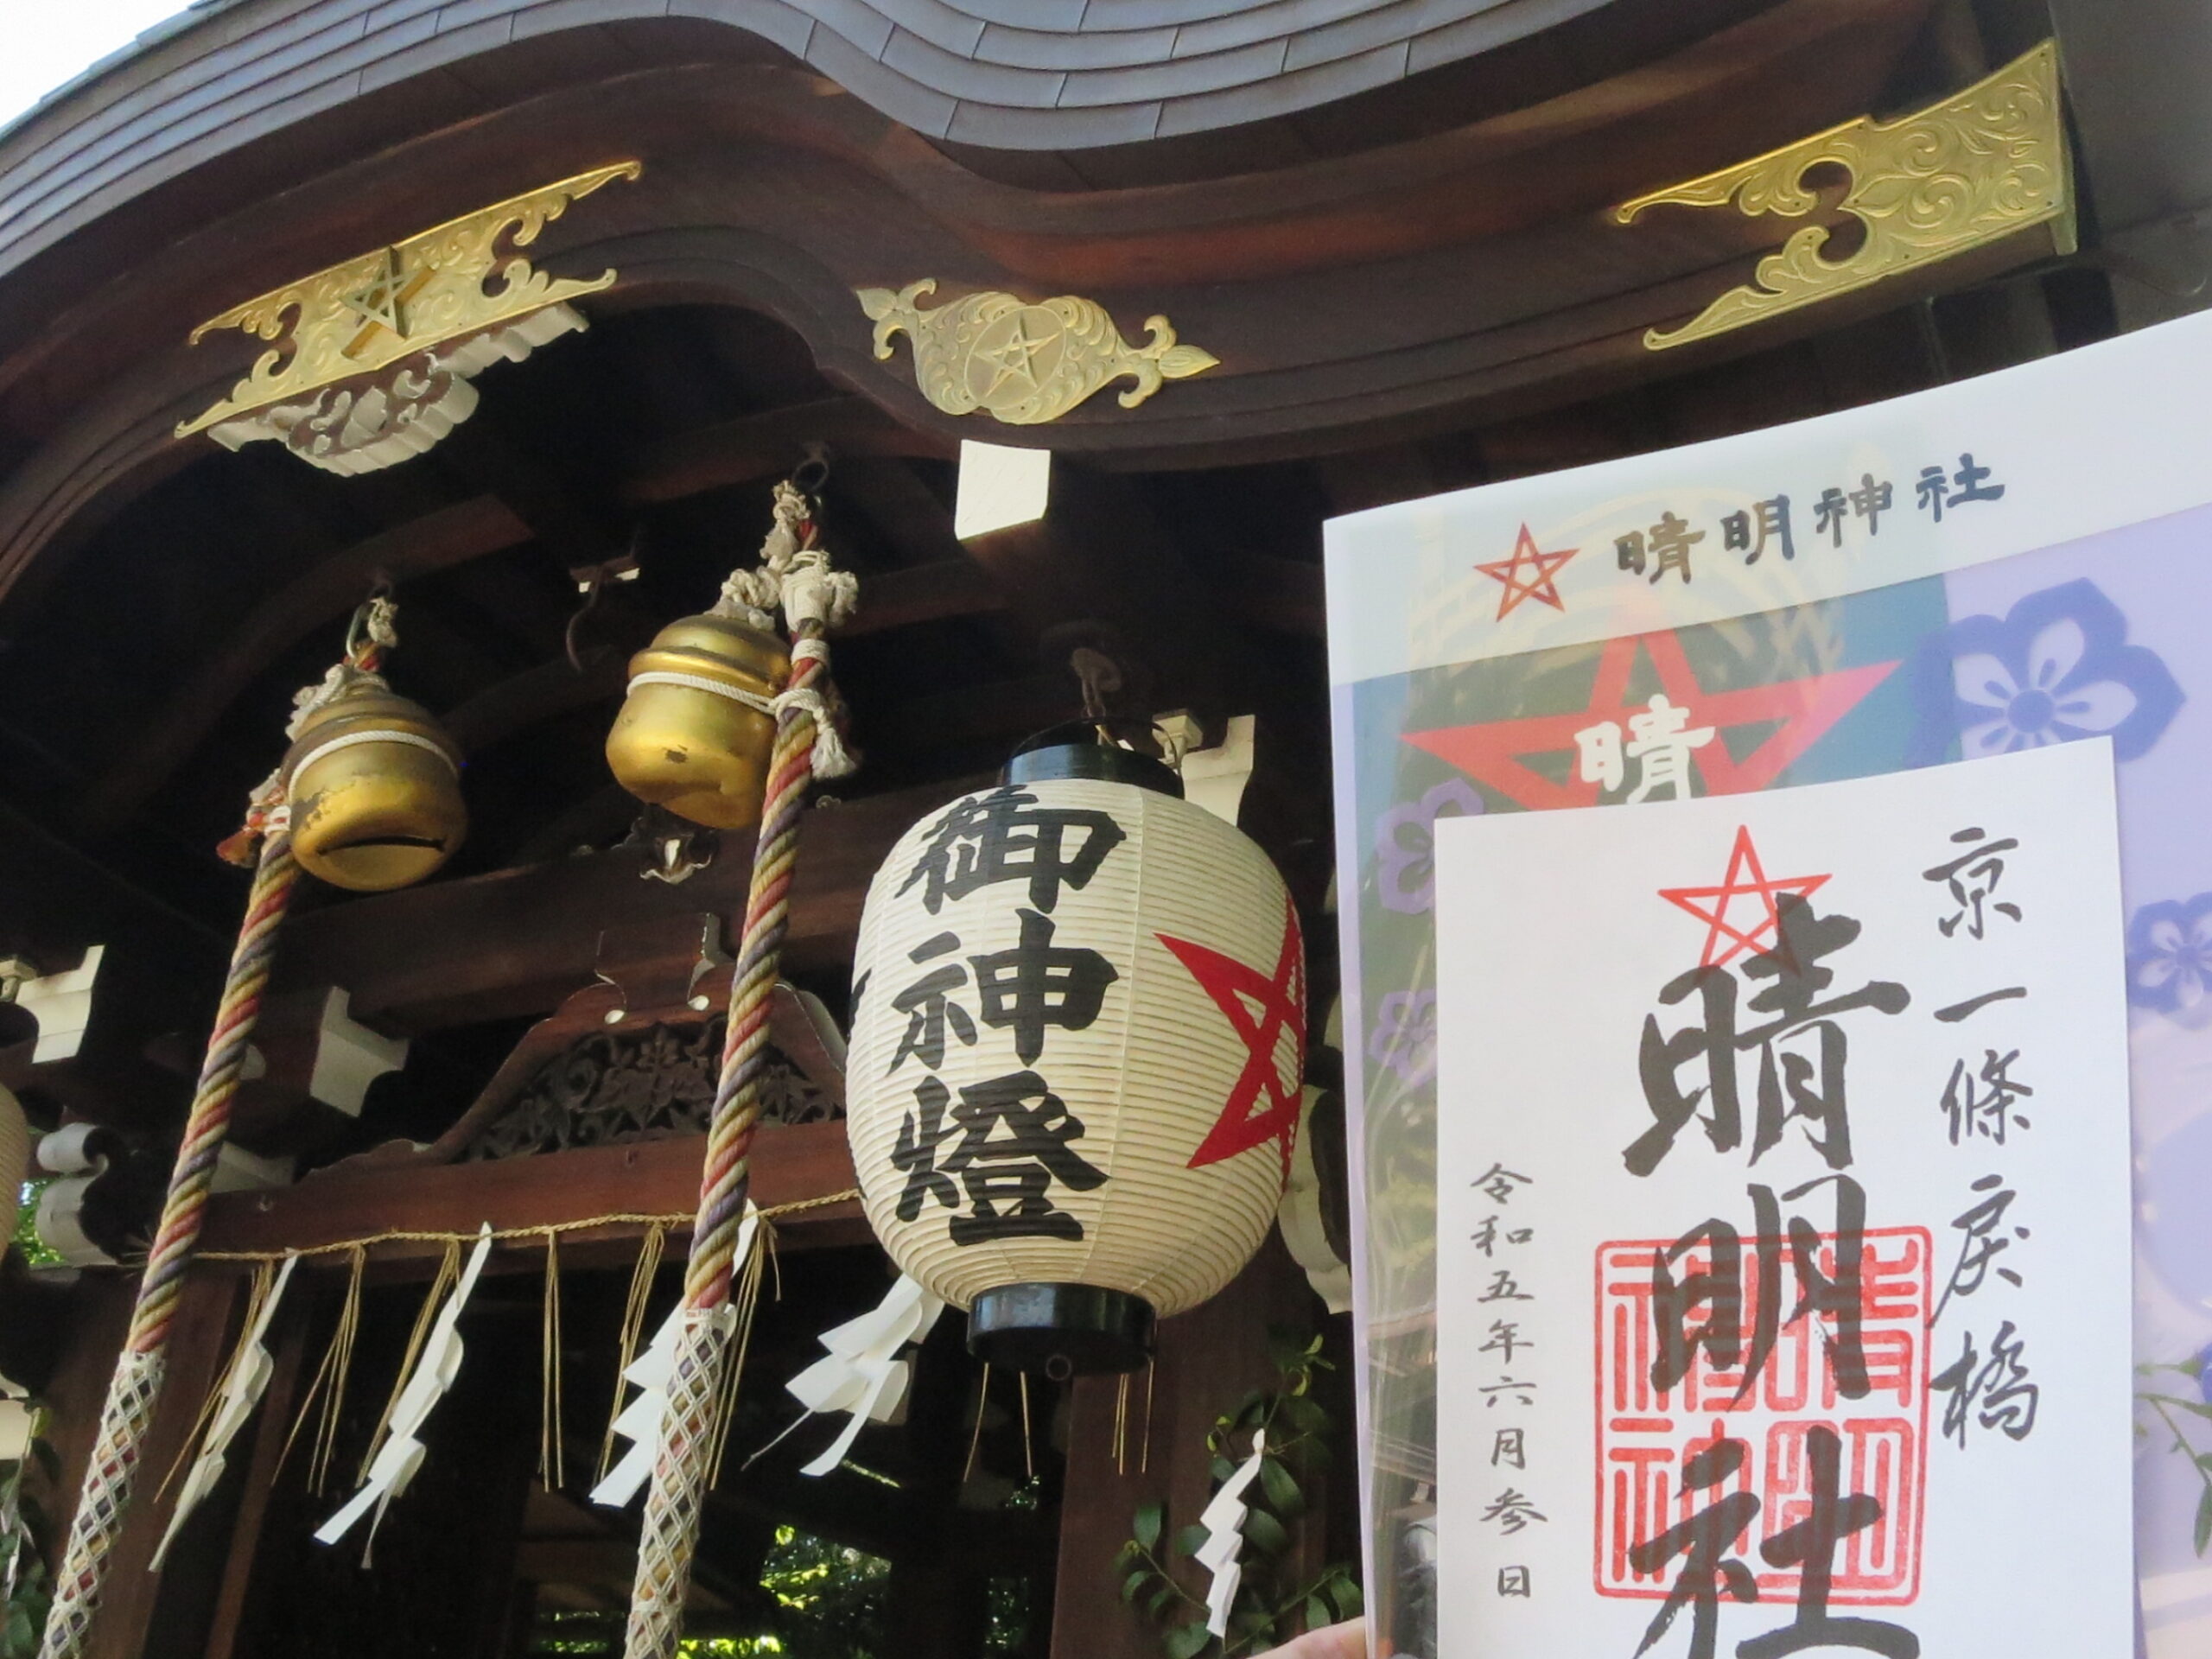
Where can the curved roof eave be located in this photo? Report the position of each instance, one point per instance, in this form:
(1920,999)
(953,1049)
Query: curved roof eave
(1037,75)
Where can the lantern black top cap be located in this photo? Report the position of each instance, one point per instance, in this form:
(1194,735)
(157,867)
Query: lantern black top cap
(1074,750)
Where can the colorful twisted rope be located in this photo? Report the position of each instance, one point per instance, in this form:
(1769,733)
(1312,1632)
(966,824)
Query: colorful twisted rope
(135,1392)
(670,1533)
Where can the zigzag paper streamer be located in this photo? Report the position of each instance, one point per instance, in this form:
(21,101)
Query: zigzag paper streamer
(643,1418)
(242,1391)
(401,1456)
(1223,1520)
(862,1374)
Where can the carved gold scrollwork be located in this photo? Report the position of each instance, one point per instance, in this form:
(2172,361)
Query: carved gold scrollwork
(1981,166)
(368,312)
(1024,363)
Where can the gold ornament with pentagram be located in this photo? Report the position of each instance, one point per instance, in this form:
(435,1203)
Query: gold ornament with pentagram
(381,302)
(1024,362)
(458,278)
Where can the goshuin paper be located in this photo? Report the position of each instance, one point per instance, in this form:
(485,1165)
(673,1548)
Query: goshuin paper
(1783,1225)
(1998,565)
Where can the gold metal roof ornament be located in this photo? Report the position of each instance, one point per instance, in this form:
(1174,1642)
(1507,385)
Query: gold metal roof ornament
(1975,169)
(1020,362)
(371,312)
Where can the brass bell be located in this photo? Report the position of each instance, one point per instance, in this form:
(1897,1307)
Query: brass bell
(697,728)
(374,787)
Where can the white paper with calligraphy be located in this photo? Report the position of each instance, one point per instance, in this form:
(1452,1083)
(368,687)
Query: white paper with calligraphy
(1705,1063)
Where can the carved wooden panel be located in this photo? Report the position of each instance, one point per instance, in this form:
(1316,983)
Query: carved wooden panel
(620,1085)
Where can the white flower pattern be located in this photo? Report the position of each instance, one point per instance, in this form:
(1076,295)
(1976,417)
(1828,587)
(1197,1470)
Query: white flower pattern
(2039,708)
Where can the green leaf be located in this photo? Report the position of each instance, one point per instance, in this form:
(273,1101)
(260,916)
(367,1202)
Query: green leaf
(1163,1599)
(1148,1520)
(1302,1415)
(1317,1613)
(1189,1540)
(2203,1519)
(1185,1641)
(1281,1489)
(47,1458)
(1220,1469)
(1265,1534)
(1346,1593)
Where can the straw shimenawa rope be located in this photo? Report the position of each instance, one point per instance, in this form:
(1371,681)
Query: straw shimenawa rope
(794,571)
(135,1389)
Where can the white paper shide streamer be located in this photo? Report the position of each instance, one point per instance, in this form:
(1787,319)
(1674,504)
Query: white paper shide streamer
(641,1422)
(1223,1520)
(242,1391)
(862,1373)
(400,1457)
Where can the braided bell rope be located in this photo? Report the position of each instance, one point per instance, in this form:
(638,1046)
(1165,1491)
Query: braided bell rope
(794,568)
(134,1393)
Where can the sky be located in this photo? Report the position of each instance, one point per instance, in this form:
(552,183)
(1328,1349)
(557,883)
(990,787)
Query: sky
(50,44)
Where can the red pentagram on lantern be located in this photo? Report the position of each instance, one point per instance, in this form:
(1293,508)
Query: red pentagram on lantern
(1260,1006)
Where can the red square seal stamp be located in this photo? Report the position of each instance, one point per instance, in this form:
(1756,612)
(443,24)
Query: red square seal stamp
(1664,1397)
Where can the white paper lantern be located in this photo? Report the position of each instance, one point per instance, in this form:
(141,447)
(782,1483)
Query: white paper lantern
(1075,1072)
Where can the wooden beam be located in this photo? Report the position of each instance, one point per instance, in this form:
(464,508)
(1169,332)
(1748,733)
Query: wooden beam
(447,536)
(791,1164)
(523,700)
(754,447)
(516,942)
(923,593)
(564,512)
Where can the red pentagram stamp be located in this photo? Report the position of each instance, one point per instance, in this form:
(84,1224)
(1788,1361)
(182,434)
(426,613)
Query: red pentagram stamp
(1644,1431)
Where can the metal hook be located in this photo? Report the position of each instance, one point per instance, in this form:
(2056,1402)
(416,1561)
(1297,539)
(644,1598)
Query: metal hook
(592,585)
(357,630)
(590,579)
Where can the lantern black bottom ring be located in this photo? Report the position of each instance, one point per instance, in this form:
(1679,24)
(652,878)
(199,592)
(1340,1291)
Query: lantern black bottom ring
(1061,1331)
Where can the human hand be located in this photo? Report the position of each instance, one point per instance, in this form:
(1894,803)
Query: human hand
(1344,1641)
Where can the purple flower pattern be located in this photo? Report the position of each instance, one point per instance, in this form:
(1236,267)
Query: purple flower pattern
(2056,668)
(2169,957)
(1404,1038)
(1405,844)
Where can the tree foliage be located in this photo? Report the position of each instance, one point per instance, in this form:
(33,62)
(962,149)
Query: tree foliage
(1270,1606)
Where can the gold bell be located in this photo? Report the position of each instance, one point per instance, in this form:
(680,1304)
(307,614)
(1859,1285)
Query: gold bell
(374,787)
(697,728)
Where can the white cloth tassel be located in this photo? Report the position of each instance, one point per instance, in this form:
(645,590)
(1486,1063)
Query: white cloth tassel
(400,1457)
(642,1419)
(1224,1520)
(862,1374)
(242,1392)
